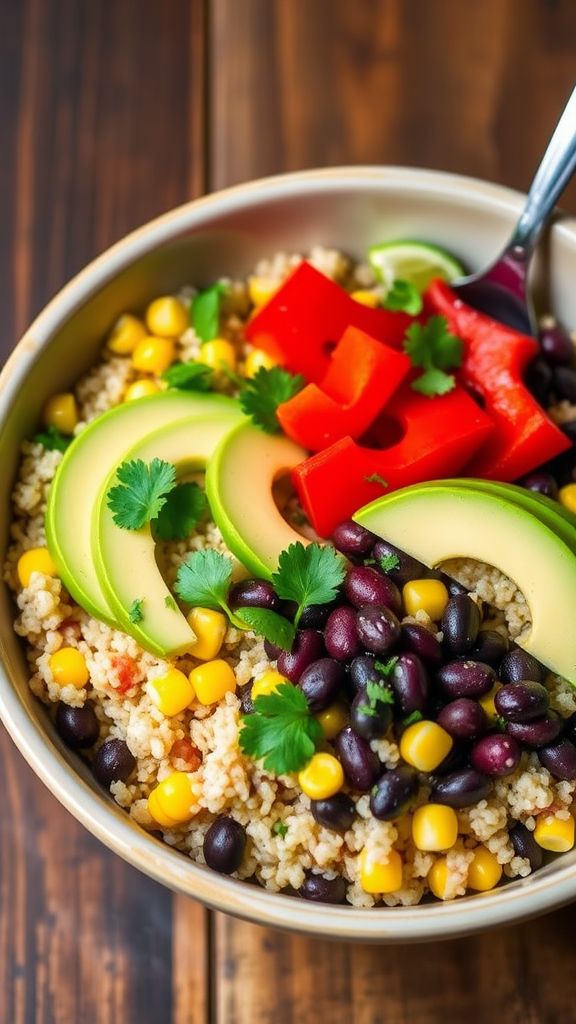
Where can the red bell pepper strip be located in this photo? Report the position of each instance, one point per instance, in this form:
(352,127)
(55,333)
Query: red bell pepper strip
(362,375)
(302,322)
(439,437)
(495,359)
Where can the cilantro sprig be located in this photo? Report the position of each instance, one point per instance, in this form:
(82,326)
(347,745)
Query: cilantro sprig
(308,575)
(205,311)
(282,732)
(403,297)
(52,439)
(376,694)
(136,612)
(388,563)
(189,377)
(141,492)
(267,389)
(435,349)
(183,509)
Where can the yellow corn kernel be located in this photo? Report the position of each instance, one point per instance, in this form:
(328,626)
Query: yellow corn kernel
(125,335)
(210,629)
(61,412)
(322,777)
(256,360)
(267,683)
(35,560)
(332,720)
(487,702)
(212,680)
(567,497)
(174,798)
(434,827)
(141,389)
(154,807)
(260,289)
(376,877)
(218,354)
(430,596)
(166,317)
(366,298)
(153,355)
(68,667)
(554,834)
(438,878)
(484,872)
(425,744)
(171,693)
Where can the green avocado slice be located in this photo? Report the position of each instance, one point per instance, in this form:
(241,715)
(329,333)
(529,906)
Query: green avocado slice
(125,559)
(435,523)
(83,470)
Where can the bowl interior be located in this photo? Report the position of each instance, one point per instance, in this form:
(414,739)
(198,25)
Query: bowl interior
(227,234)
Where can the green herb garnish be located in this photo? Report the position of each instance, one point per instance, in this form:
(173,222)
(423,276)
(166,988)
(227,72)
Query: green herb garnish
(205,311)
(261,396)
(434,348)
(189,377)
(52,440)
(404,297)
(500,723)
(376,694)
(182,510)
(170,602)
(375,478)
(281,731)
(414,716)
(273,627)
(388,563)
(279,828)
(135,613)
(308,575)
(385,668)
(141,492)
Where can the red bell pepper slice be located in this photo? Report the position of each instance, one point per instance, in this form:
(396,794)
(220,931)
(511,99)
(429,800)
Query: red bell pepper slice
(495,359)
(362,375)
(439,437)
(302,322)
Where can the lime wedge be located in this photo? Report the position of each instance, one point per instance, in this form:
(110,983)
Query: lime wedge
(415,262)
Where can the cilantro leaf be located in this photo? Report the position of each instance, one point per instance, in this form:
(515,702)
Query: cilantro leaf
(281,730)
(375,478)
(170,602)
(405,297)
(434,348)
(189,377)
(183,509)
(272,626)
(385,668)
(141,492)
(279,828)
(414,716)
(308,575)
(135,613)
(261,396)
(52,439)
(205,311)
(388,563)
(204,578)
(376,693)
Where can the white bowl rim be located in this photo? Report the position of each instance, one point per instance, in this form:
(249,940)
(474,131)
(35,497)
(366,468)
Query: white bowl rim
(103,819)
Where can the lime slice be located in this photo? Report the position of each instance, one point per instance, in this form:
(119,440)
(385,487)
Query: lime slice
(415,262)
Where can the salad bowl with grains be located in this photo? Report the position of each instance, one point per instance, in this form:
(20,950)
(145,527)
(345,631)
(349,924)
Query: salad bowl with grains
(290,558)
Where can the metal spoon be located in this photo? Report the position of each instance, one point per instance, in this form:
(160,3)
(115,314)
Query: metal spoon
(501,290)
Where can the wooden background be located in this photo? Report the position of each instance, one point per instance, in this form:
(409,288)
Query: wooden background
(112,111)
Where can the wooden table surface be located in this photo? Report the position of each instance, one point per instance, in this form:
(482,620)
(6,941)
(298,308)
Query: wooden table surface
(111,112)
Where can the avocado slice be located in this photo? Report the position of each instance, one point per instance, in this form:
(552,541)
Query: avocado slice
(239,483)
(125,559)
(434,523)
(83,470)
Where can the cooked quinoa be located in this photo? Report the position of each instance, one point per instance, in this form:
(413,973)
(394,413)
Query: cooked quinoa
(120,673)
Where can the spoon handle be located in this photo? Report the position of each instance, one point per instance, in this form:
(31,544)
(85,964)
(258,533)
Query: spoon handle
(557,167)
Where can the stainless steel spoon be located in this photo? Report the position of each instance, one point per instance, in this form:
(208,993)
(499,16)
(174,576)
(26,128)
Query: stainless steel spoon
(501,290)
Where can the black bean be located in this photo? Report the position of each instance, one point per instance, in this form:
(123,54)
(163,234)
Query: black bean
(453,587)
(272,650)
(410,683)
(490,647)
(366,586)
(521,702)
(570,727)
(537,733)
(560,759)
(525,845)
(78,727)
(565,383)
(315,616)
(335,812)
(464,719)
(245,695)
(556,346)
(461,788)
(393,793)
(324,890)
(360,763)
(496,754)
(371,718)
(363,671)
(352,539)
(519,666)
(224,845)
(253,593)
(321,683)
(114,762)
(541,483)
(341,634)
(460,624)
(308,646)
(378,628)
(422,642)
(466,678)
(538,379)
(408,568)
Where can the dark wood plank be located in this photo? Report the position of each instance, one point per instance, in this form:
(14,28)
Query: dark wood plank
(472,88)
(101,109)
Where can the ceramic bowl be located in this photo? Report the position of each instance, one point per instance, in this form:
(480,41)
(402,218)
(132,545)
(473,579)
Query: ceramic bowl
(226,233)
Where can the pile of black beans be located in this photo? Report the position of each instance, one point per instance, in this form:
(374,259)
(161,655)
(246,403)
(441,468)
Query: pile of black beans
(340,648)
